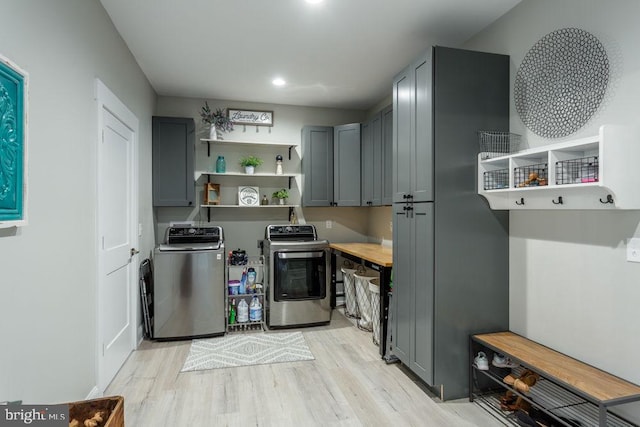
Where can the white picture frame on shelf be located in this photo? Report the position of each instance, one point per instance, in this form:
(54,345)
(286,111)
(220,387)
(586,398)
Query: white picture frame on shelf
(248,196)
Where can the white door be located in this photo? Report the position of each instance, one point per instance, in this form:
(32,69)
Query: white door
(117,238)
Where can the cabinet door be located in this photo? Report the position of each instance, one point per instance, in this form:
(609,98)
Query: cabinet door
(376,157)
(403,285)
(402,152)
(422,129)
(317,165)
(387,156)
(346,161)
(173,152)
(372,161)
(413,287)
(423,298)
(367,163)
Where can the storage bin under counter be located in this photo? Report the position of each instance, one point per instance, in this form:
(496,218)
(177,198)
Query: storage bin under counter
(378,258)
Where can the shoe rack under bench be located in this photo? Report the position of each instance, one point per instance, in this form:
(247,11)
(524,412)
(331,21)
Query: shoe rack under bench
(567,389)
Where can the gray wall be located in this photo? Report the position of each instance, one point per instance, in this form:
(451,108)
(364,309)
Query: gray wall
(48,268)
(243,227)
(570,285)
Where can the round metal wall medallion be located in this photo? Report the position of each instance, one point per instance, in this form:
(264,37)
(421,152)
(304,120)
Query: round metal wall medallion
(561,82)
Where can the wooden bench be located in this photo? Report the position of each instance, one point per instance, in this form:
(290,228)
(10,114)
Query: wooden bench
(568,388)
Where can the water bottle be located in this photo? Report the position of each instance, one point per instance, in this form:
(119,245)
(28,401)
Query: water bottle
(221,166)
(255,310)
(243,312)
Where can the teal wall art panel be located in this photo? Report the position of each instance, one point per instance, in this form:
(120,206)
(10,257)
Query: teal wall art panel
(13,131)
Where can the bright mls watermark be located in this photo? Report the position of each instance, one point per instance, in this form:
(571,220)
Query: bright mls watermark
(34,415)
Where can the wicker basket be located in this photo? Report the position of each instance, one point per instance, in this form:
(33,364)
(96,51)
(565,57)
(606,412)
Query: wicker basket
(113,403)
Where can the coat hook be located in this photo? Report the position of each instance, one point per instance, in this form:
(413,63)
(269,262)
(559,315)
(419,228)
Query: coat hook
(244,128)
(521,202)
(609,199)
(257,129)
(559,202)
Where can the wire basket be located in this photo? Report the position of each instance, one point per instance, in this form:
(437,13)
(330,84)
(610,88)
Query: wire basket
(531,175)
(497,179)
(577,171)
(496,144)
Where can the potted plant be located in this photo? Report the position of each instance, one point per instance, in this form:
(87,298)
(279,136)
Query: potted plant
(281,195)
(218,121)
(249,163)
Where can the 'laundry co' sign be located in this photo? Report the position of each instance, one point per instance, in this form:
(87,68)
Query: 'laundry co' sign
(244,117)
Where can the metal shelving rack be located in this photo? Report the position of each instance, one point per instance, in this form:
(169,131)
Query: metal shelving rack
(234,272)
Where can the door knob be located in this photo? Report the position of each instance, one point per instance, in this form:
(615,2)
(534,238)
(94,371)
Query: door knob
(134,251)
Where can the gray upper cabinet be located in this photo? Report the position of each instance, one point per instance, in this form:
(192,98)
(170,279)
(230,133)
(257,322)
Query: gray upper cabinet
(317,166)
(377,159)
(173,141)
(387,155)
(372,161)
(413,135)
(346,162)
(331,165)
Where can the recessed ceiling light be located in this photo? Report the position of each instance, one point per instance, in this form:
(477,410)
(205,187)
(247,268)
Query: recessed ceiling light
(278,82)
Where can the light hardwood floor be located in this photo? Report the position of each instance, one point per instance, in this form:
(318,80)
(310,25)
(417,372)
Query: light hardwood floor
(347,384)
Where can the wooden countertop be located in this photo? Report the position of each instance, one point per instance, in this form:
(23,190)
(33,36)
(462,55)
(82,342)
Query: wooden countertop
(372,252)
(589,380)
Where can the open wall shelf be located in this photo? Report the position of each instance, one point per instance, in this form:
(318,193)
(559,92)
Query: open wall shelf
(589,173)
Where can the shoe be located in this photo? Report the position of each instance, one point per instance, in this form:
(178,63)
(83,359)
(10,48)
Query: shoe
(527,380)
(481,361)
(501,361)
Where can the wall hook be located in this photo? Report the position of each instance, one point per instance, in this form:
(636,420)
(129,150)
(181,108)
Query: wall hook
(244,128)
(257,129)
(559,202)
(521,202)
(609,199)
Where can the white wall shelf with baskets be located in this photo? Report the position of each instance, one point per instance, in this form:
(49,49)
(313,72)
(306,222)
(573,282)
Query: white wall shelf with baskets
(597,172)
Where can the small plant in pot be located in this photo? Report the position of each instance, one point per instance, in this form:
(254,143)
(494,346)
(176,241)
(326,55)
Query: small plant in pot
(249,163)
(281,195)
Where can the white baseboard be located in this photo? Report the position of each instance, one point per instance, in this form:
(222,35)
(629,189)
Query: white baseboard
(94,393)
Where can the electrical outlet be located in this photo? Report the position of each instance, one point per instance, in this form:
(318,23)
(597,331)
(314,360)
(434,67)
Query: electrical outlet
(328,224)
(633,250)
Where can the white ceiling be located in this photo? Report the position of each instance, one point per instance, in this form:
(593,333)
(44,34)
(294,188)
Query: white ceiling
(339,54)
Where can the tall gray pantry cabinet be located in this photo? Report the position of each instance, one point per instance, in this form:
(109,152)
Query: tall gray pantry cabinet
(450,250)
